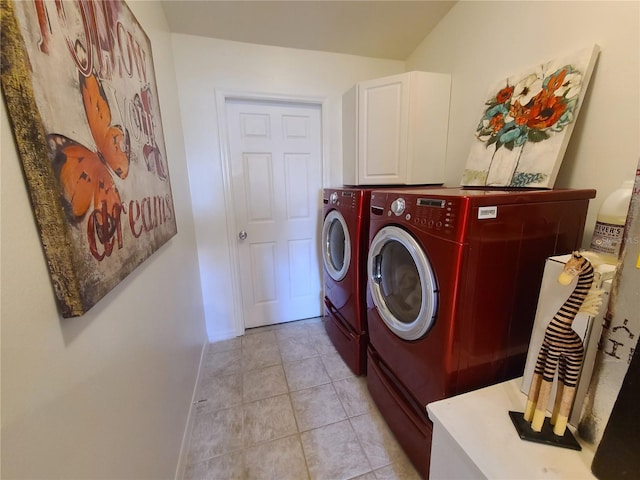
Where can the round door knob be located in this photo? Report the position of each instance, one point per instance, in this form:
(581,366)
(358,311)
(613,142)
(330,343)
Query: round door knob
(242,235)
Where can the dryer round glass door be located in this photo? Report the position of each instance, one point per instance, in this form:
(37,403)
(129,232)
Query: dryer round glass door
(402,283)
(336,246)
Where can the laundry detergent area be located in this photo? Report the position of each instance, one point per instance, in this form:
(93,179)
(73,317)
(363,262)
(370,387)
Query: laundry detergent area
(431,290)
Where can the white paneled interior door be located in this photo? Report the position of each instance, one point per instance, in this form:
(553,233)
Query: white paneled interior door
(275,151)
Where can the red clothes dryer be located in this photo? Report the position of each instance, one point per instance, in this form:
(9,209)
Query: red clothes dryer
(345,236)
(454,276)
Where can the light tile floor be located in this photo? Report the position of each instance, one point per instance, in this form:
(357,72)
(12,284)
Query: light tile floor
(279,403)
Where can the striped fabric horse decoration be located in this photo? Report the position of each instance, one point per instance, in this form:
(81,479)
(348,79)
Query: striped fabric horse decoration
(562,349)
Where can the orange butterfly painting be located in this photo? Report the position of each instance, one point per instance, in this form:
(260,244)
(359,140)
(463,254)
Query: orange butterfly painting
(78,80)
(86,175)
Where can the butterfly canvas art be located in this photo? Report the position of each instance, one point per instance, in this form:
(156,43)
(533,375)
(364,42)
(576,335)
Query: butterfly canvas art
(79,84)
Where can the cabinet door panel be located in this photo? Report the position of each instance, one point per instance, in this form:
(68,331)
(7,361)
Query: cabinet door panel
(395,130)
(383,130)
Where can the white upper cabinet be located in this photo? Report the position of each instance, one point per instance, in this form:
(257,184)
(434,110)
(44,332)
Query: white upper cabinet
(395,130)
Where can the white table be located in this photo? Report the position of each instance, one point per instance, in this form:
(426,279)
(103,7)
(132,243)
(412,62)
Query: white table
(474,437)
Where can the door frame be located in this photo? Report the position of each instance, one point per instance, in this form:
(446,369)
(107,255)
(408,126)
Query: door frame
(222,95)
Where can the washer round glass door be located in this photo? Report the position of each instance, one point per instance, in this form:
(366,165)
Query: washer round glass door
(402,283)
(336,246)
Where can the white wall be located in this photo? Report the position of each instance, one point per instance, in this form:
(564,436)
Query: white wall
(482,42)
(203,65)
(105,395)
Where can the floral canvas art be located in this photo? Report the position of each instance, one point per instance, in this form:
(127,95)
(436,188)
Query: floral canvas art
(526,124)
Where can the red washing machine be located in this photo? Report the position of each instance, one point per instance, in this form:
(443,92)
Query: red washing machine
(345,236)
(454,276)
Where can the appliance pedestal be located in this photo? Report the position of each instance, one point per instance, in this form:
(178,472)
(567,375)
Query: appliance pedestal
(350,345)
(413,430)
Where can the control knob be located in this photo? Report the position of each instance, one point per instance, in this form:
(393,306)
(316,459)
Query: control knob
(397,207)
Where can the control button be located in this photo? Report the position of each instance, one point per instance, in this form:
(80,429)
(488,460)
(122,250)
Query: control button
(334,198)
(408,216)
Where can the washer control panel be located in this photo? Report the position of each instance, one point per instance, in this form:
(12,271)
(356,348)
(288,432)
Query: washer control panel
(439,215)
(345,199)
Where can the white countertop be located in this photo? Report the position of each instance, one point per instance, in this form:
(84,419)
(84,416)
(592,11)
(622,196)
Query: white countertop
(479,423)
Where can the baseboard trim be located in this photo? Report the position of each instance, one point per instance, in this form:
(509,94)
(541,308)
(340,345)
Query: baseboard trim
(186,438)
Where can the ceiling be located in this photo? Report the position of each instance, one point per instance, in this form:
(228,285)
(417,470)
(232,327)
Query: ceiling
(380,29)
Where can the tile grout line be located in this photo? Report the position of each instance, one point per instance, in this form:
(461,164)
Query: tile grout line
(295,418)
(280,342)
